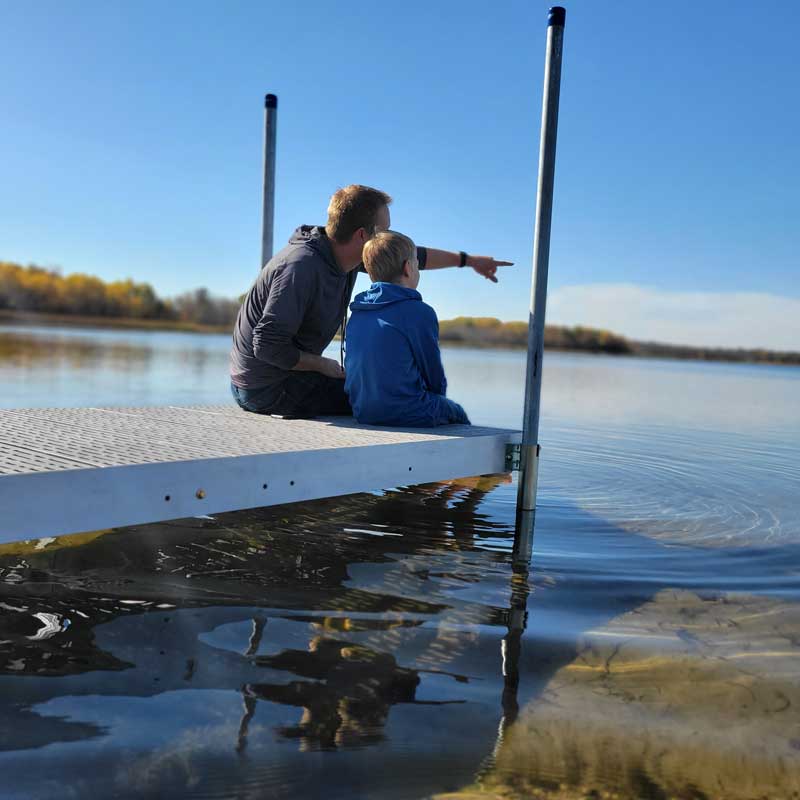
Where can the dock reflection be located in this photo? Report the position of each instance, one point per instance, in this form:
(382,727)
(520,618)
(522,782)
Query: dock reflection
(370,584)
(395,623)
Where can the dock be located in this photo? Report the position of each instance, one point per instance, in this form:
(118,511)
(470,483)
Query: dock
(68,470)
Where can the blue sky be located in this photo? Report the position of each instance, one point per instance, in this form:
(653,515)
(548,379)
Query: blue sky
(131,146)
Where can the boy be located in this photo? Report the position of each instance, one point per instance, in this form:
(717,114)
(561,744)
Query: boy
(393,368)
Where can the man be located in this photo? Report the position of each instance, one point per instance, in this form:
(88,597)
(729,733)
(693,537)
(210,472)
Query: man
(299,301)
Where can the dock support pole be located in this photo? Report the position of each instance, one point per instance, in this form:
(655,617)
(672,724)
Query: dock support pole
(529,462)
(268,218)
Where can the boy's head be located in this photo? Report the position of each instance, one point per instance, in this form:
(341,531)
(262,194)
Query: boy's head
(391,257)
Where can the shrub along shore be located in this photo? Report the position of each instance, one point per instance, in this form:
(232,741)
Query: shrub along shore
(37,296)
(490,332)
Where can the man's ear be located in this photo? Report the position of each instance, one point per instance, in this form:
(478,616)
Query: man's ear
(406,269)
(359,237)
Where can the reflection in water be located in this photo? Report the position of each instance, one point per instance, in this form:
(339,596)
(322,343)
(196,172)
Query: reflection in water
(48,366)
(383,646)
(26,352)
(346,698)
(328,611)
(319,629)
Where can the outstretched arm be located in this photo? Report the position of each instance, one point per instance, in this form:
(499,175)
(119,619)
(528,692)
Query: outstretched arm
(483,265)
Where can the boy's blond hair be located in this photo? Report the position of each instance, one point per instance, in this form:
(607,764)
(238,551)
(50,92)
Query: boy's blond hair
(352,208)
(385,254)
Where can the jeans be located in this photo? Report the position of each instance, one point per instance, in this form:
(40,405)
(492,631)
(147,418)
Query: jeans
(302,394)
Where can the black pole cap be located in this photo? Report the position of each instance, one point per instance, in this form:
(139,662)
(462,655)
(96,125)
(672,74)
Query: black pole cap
(271,101)
(557,16)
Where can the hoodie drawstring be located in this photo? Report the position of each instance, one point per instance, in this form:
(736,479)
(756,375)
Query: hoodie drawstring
(341,340)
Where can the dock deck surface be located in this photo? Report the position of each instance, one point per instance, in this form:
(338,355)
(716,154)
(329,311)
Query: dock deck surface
(65,470)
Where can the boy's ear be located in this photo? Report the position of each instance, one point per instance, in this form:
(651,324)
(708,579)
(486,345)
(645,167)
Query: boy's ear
(406,269)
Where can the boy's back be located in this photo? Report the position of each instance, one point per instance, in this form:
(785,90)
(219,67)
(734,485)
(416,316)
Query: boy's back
(393,367)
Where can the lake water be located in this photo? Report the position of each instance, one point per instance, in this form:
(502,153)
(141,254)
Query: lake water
(380,645)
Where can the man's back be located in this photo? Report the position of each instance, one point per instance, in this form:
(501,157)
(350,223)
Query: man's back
(296,304)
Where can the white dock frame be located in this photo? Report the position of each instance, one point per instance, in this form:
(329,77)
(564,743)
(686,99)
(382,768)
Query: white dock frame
(68,470)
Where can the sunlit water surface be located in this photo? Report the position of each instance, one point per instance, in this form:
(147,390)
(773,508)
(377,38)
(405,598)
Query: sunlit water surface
(380,646)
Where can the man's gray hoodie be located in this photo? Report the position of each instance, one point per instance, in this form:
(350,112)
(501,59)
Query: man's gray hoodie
(297,304)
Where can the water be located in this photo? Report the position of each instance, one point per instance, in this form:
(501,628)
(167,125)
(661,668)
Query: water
(380,646)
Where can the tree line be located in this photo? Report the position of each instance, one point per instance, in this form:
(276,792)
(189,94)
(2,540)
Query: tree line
(491,332)
(39,289)
(33,288)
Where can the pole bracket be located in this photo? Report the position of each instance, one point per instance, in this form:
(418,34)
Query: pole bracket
(513,457)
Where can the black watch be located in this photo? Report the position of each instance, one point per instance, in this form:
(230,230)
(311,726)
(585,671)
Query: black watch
(462,258)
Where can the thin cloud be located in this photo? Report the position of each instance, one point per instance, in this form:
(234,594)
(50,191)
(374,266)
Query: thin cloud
(713,319)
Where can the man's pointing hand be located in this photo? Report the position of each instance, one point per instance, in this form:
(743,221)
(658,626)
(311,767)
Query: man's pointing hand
(487,266)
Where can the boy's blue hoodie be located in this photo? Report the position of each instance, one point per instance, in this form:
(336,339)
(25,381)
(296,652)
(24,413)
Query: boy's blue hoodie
(394,373)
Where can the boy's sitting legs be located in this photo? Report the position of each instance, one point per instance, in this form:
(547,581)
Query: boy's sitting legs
(457,414)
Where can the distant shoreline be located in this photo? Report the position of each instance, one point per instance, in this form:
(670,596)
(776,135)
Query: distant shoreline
(479,333)
(491,332)
(653,350)
(31,318)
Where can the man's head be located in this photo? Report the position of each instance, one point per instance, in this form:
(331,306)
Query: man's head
(357,211)
(391,257)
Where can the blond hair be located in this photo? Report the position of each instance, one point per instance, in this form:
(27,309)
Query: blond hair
(352,208)
(385,254)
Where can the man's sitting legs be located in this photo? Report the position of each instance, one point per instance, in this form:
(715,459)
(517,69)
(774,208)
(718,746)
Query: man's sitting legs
(302,394)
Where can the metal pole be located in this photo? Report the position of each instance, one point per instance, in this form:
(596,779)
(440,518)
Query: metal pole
(268,219)
(529,461)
